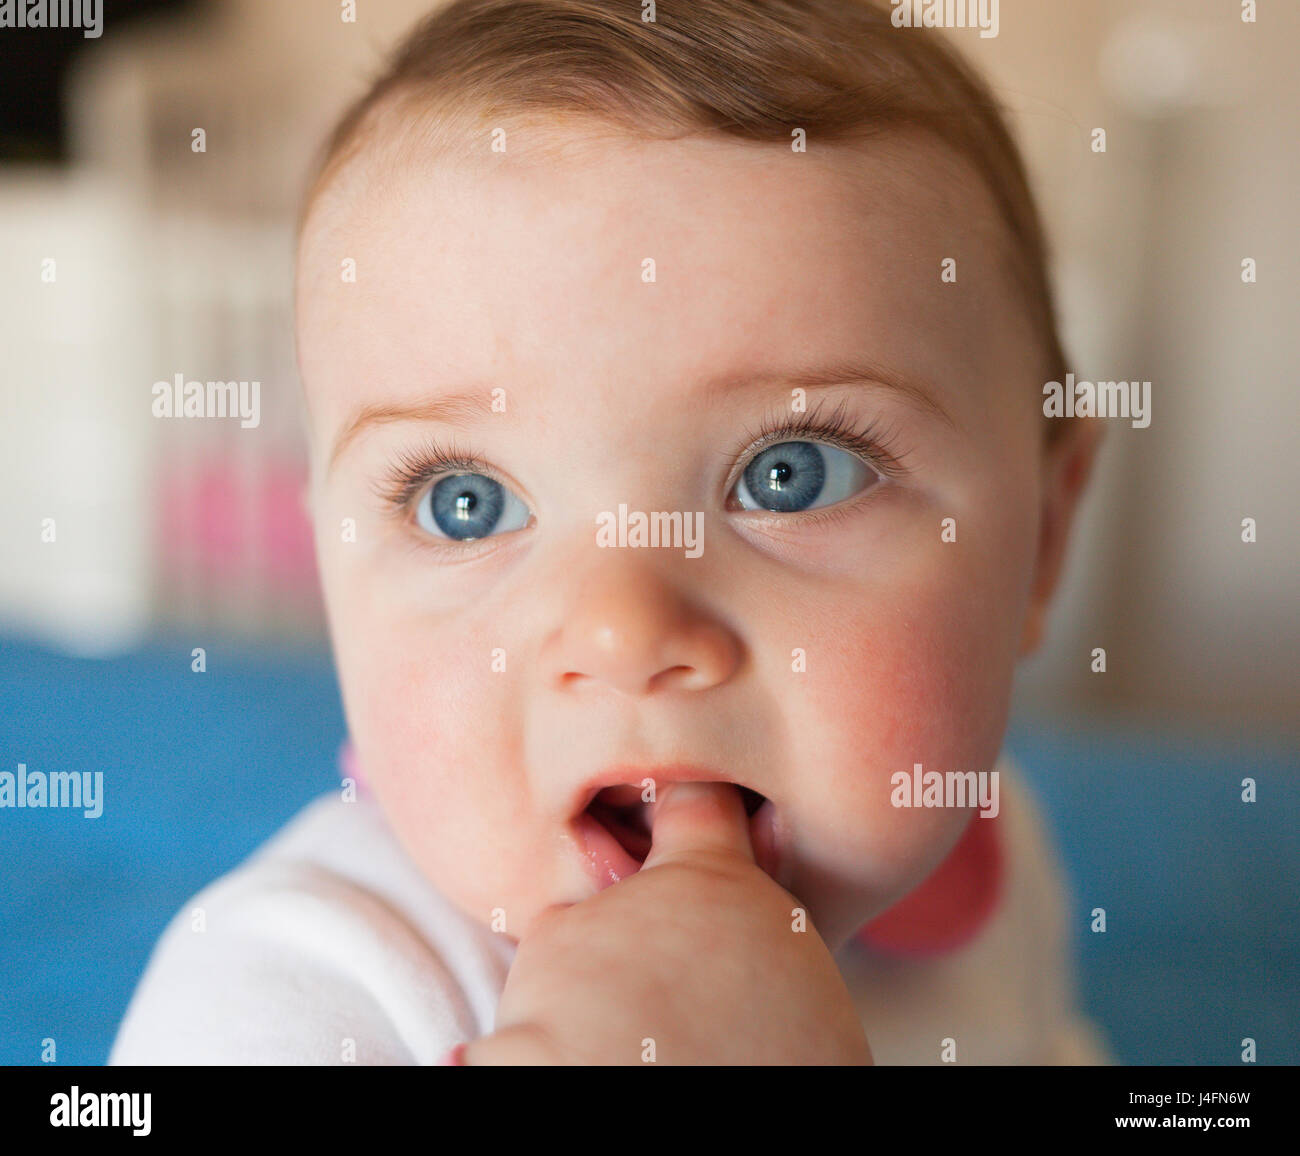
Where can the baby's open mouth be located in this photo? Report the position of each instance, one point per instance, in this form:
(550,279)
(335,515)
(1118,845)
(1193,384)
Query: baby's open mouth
(616,826)
(622,813)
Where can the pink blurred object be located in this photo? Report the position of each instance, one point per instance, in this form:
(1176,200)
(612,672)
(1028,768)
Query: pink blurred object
(199,518)
(216,525)
(454,1058)
(214,516)
(287,545)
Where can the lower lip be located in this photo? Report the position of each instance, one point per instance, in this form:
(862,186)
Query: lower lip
(608,863)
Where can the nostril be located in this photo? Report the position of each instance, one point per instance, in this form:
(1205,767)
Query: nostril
(681,677)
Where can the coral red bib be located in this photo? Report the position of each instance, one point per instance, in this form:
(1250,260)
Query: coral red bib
(952,905)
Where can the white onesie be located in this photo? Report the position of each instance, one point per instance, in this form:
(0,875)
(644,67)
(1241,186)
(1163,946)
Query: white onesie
(327,946)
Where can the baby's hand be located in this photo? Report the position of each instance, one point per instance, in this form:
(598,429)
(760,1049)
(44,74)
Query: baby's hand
(693,960)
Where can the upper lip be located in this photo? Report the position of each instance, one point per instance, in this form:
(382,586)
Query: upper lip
(617,776)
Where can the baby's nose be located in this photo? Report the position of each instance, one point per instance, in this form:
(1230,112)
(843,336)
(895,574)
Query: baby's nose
(630,627)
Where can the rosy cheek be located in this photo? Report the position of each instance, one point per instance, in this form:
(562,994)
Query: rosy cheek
(405,744)
(924,680)
(431,734)
(950,704)
(400,716)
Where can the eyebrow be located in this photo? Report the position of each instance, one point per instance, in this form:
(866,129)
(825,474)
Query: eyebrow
(920,394)
(458,409)
(464,408)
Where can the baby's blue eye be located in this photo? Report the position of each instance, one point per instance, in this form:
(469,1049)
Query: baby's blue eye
(467,506)
(794,476)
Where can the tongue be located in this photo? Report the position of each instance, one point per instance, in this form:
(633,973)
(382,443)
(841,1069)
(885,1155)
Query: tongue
(629,825)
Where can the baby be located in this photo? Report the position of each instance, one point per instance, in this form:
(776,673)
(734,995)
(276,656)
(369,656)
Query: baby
(684,500)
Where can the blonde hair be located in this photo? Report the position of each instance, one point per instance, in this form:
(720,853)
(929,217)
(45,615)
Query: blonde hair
(751,69)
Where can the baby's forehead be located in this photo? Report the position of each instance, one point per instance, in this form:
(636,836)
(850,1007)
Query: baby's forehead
(713,241)
(908,175)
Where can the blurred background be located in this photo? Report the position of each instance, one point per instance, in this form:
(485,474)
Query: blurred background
(127,541)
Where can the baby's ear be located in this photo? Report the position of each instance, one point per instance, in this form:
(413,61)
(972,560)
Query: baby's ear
(1067,466)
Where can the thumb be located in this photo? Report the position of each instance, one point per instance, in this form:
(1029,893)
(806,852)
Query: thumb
(690,817)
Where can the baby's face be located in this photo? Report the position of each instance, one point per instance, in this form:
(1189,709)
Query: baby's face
(640,314)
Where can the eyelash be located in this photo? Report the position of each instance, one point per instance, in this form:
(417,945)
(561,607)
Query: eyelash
(414,469)
(872,442)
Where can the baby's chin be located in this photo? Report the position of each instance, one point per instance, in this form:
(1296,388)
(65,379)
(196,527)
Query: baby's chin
(844,892)
(500,889)
(836,907)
